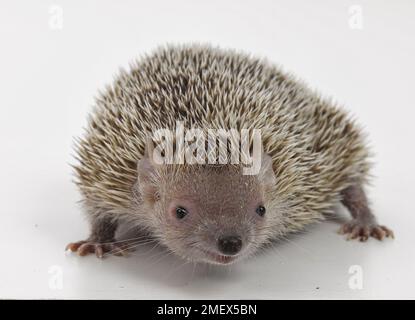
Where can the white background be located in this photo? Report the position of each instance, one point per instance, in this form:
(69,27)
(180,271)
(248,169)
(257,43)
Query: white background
(49,76)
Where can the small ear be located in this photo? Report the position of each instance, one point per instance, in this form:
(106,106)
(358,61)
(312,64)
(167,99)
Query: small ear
(145,164)
(146,171)
(267,172)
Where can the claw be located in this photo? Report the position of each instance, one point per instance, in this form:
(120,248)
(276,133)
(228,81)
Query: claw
(99,252)
(389,232)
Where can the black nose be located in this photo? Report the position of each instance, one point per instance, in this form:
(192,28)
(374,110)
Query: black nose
(230,245)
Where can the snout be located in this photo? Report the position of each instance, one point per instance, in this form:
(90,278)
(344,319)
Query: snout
(230,245)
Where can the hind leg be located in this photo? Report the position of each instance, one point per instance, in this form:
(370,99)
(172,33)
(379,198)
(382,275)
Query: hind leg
(363,224)
(101,241)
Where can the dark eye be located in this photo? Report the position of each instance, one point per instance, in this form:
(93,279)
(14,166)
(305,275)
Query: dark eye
(260,211)
(181,212)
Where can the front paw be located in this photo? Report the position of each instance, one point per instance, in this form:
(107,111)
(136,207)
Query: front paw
(356,229)
(101,249)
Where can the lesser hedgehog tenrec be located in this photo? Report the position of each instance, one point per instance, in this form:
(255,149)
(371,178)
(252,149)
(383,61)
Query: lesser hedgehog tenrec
(314,156)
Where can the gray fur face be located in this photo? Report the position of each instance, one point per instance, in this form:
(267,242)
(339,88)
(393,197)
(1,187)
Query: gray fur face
(210,214)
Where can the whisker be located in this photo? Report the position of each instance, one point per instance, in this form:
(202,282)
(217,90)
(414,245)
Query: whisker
(130,246)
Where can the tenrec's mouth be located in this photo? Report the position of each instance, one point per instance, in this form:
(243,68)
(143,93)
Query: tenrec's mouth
(219,258)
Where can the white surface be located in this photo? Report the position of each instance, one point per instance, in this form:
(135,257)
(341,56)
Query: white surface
(48,79)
